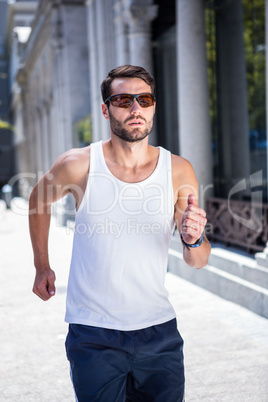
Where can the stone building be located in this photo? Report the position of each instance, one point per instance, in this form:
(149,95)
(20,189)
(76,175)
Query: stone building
(51,92)
(198,53)
(6,135)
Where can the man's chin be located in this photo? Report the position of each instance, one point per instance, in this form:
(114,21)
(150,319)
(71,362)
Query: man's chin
(133,137)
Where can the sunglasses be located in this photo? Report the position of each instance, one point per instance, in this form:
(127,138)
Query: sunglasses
(126,100)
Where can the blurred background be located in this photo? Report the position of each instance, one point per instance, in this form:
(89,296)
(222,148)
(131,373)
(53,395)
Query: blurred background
(209,62)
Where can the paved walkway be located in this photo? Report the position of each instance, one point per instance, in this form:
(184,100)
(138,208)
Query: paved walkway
(226,346)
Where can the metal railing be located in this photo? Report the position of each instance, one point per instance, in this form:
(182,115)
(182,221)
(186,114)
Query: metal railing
(239,223)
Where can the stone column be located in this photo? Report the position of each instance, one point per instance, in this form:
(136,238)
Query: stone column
(93,70)
(65,89)
(121,42)
(232,94)
(46,137)
(29,124)
(39,153)
(56,128)
(139,18)
(59,139)
(31,129)
(193,94)
(27,117)
(101,59)
(103,64)
(53,125)
(61,81)
(266,40)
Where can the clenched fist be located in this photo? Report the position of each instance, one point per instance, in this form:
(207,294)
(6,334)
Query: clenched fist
(193,221)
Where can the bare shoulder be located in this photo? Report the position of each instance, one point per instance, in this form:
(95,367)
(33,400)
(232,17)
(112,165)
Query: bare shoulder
(183,176)
(67,175)
(72,164)
(181,168)
(72,157)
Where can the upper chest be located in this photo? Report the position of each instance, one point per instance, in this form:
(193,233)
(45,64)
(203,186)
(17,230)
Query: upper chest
(132,175)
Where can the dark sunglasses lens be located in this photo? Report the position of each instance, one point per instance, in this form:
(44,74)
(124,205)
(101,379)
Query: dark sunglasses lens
(124,101)
(146,100)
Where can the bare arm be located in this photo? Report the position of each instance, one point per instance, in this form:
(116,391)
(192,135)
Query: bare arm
(190,218)
(64,177)
(39,222)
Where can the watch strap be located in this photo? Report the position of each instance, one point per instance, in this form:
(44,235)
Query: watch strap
(196,244)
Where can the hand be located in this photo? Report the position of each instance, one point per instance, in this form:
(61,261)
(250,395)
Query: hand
(193,221)
(44,284)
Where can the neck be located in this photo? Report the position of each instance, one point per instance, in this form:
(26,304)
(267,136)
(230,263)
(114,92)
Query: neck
(128,154)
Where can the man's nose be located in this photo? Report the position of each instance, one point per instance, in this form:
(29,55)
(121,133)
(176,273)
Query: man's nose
(135,108)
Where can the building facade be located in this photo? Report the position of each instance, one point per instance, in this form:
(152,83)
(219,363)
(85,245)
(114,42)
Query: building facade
(50,95)
(208,58)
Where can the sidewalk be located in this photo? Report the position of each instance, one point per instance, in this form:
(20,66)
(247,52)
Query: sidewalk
(226,346)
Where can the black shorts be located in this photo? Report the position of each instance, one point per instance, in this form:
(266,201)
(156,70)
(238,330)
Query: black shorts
(117,366)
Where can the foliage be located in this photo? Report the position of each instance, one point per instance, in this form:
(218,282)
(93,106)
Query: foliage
(254,40)
(6,125)
(211,60)
(84,131)
(254,37)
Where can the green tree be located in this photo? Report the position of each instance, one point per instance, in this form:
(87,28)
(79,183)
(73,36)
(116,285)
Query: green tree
(254,36)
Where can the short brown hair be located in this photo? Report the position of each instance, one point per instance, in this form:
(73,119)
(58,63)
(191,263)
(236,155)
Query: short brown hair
(126,71)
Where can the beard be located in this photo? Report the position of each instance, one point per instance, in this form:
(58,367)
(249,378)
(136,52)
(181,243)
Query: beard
(128,134)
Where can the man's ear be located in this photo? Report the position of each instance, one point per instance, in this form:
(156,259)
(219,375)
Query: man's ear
(105,111)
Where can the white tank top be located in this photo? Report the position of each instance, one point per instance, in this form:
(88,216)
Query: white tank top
(120,248)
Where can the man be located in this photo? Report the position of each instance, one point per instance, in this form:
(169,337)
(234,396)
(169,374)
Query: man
(123,343)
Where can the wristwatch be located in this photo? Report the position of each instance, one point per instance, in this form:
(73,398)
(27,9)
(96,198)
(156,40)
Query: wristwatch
(196,244)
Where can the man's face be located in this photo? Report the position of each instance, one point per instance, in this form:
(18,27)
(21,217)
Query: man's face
(134,123)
